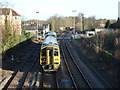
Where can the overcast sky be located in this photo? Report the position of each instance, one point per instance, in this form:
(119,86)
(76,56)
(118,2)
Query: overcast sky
(100,8)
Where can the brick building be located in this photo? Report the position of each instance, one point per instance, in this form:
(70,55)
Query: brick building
(14,19)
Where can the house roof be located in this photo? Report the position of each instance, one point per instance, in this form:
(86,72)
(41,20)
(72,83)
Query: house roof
(6,11)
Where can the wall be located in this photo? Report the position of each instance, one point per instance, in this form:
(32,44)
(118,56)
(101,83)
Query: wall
(14,21)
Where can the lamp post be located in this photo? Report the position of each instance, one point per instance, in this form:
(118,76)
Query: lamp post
(82,21)
(74,23)
(37,26)
(74,18)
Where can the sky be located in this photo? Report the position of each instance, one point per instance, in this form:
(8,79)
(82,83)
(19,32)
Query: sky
(99,8)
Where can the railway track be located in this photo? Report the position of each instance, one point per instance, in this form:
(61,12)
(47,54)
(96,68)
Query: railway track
(19,76)
(28,73)
(78,78)
(49,80)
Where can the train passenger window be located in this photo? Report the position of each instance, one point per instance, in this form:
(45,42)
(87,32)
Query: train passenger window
(55,53)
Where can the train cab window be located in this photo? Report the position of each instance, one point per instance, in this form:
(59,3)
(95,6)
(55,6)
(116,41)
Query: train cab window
(50,53)
(55,53)
(43,52)
(53,35)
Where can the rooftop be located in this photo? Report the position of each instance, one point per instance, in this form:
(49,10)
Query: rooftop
(6,11)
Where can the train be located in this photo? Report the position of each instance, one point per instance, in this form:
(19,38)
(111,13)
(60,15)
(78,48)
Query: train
(50,53)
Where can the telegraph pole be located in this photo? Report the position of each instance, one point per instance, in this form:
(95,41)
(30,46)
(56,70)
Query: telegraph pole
(74,23)
(81,15)
(37,26)
(82,21)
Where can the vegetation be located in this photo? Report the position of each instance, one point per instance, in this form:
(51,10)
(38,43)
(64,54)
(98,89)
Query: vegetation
(56,22)
(103,54)
(107,25)
(103,62)
(116,25)
(5,3)
(89,23)
(107,42)
(11,38)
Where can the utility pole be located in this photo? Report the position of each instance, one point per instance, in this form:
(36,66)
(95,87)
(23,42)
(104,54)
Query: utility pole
(74,22)
(74,18)
(37,26)
(82,21)
(81,15)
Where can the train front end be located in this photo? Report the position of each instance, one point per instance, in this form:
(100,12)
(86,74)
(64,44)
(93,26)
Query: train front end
(50,58)
(50,54)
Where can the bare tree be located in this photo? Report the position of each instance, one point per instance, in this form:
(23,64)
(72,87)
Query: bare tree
(59,21)
(99,41)
(5,3)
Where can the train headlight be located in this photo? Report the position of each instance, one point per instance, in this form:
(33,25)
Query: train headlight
(43,59)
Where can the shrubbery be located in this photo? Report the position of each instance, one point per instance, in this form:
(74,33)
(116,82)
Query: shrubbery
(108,42)
(12,38)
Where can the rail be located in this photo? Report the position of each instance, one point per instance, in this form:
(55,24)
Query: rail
(17,72)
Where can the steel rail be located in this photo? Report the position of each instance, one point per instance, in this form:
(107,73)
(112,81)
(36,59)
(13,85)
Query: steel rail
(28,73)
(72,78)
(56,79)
(42,80)
(17,72)
(66,44)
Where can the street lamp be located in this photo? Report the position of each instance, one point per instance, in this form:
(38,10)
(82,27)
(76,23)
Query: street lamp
(74,18)
(37,26)
(74,23)
(82,21)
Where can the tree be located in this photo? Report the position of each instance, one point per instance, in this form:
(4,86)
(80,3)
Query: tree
(9,39)
(99,41)
(4,3)
(58,21)
(107,25)
(118,23)
(91,23)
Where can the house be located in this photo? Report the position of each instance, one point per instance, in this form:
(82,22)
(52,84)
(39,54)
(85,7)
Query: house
(45,28)
(37,28)
(14,19)
(35,25)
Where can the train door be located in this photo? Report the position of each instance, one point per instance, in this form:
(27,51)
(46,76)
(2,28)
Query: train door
(49,56)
